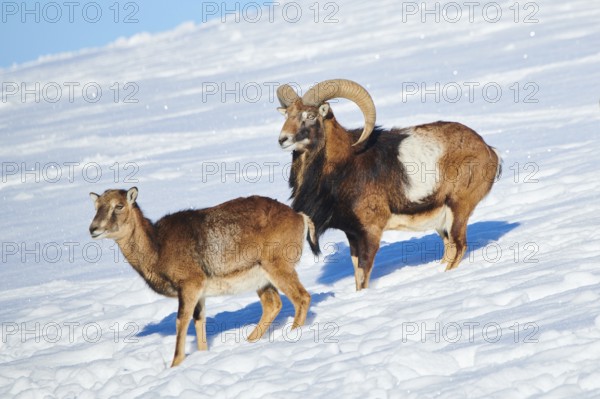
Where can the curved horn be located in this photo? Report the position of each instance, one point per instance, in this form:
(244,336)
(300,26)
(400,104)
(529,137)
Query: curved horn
(342,88)
(286,95)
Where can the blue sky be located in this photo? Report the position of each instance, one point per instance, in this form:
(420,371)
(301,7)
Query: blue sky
(33,28)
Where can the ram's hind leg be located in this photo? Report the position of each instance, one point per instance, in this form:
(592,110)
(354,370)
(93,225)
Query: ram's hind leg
(271,305)
(457,245)
(443,233)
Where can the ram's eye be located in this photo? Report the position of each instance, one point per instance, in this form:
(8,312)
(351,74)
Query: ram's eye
(119,207)
(311,116)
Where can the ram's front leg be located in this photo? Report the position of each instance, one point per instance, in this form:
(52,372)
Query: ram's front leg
(368,245)
(358,274)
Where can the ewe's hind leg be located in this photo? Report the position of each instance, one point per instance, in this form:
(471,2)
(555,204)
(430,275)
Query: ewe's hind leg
(200,324)
(271,305)
(285,278)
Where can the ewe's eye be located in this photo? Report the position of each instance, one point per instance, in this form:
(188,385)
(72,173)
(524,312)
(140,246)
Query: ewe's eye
(311,116)
(119,207)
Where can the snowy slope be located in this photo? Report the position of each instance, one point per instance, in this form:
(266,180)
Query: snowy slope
(519,318)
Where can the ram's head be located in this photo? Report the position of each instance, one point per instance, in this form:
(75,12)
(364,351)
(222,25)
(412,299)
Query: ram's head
(303,129)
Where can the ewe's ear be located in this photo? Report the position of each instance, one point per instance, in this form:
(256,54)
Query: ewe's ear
(94,198)
(282,111)
(324,109)
(132,195)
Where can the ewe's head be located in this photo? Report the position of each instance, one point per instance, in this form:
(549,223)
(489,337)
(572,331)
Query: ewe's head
(114,210)
(303,129)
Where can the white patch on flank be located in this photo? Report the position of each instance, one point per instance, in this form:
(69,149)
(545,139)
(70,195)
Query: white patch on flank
(420,156)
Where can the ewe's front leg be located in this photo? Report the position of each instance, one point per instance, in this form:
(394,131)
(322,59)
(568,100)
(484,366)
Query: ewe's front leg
(200,324)
(188,298)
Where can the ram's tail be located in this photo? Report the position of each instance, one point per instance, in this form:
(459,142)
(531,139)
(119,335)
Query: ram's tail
(311,235)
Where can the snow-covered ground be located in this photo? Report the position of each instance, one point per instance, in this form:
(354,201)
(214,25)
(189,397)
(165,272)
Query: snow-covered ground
(188,116)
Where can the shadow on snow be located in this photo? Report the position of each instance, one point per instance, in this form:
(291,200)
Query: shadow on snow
(391,257)
(414,252)
(234,320)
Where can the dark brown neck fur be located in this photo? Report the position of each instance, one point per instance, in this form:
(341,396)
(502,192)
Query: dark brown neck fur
(338,143)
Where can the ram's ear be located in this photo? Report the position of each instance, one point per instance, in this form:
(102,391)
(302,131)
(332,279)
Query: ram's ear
(132,195)
(282,110)
(324,109)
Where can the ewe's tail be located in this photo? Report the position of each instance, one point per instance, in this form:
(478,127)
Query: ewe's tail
(311,236)
(500,161)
